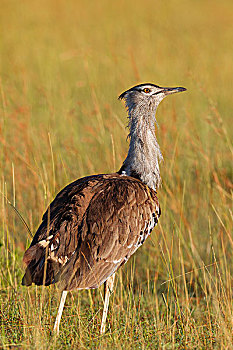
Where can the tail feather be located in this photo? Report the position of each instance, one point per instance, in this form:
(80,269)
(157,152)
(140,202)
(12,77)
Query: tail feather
(36,261)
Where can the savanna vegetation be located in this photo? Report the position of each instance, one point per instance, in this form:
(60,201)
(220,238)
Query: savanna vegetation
(62,66)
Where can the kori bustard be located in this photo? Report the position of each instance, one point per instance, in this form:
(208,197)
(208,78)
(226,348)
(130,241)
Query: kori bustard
(96,223)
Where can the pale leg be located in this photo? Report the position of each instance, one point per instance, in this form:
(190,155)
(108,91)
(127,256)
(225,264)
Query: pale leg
(108,290)
(59,313)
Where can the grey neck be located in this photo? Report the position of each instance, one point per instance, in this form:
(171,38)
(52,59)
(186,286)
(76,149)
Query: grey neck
(144,152)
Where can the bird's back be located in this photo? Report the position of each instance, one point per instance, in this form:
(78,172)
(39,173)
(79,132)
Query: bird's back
(91,228)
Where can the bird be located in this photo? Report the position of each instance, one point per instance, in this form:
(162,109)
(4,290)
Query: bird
(96,223)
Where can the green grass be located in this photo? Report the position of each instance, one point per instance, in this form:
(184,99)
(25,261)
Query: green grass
(62,66)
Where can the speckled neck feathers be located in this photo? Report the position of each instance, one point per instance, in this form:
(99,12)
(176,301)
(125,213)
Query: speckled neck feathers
(144,152)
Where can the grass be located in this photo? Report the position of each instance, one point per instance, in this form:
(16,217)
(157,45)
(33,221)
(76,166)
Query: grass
(62,65)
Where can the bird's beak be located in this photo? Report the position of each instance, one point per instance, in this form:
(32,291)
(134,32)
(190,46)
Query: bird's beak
(168,91)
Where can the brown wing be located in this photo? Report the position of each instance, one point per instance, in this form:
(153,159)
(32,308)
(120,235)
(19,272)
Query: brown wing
(59,235)
(101,223)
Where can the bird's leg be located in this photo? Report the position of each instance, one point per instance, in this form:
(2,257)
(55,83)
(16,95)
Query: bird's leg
(59,313)
(108,290)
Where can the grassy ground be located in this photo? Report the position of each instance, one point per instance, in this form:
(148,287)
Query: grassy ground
(62,66)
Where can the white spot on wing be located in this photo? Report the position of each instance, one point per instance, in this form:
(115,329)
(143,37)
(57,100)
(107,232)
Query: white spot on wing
(117,261)
(114,261)
(43,243)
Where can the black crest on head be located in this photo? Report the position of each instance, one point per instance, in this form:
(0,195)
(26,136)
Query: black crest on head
(135,88)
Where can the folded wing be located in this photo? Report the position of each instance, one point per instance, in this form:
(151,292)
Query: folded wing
(91,228)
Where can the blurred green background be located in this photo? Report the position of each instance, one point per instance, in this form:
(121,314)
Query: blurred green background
(62,66)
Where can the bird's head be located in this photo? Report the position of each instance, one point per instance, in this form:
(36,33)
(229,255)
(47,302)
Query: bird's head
(146,96)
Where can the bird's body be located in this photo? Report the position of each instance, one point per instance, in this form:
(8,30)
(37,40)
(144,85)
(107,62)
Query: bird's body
(96,223)
(91,228)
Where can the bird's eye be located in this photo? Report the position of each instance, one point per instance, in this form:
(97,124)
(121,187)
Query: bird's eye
(146,90)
